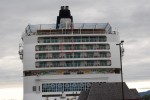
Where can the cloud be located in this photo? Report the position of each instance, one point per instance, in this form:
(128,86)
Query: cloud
(11,72)
(140,85)
(136,60)
(131,17)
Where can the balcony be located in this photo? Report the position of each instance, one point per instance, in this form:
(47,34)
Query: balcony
(44,64)
(73,55)
(72,47)
(72,39)
(70,31)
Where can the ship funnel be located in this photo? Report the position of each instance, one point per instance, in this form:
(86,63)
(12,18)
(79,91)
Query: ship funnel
(62,8)
(67,7)
(64,20)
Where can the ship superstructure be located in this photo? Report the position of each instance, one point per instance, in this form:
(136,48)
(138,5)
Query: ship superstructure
(68,57)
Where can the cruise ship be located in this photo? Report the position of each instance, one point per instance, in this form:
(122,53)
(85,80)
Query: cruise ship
(61,60)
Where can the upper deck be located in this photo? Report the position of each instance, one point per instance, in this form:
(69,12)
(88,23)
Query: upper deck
(89,27)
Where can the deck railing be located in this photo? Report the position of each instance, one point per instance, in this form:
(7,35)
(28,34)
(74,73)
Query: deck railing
(72,64)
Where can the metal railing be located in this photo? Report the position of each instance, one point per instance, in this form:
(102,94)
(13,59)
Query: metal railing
(38,65)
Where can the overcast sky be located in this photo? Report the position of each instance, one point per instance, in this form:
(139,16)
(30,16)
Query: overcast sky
(130,17)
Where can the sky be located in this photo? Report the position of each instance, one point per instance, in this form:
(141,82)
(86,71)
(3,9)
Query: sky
(130,17)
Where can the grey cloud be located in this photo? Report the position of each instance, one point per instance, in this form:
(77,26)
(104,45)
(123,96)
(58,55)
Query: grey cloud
(10,78)
(10,71)
(137,71)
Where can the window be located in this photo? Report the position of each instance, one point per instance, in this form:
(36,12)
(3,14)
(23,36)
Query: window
(34,88)
(59,87)
(69,63)
(42,64)
(88,47)
(77,63)
(46,39)
(56,64)
(69,55)
(55,55)
(42,48)
(39,88)
(42,55)
(54,39)
(68,39)
(67,87)
(85,39)
(103,54)
(102,38)
(90,54)
(90,63)
(77,47)
(77,39)
(77,55)
(68,47)
(55,47)
(93,39)
(105,63)
(102,46)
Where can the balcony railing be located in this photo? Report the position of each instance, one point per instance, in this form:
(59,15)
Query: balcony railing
(71,39)
(72,47)
(57,41)
(72,55)
(46,64)
(66,32)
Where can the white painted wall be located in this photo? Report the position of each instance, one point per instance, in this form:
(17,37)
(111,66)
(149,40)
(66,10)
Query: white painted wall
(31,81)
(29,64)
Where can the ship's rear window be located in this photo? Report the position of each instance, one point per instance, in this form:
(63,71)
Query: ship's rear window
(34,88)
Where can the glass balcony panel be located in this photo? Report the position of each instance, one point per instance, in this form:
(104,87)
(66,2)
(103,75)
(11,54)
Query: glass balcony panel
(45,41)
(69,64)
(68,39)
(103,54)
(90,54)
(102,39)
(42,56)
(102,46)
(89,47)
(55,47)
(107,46)
(42,48)
(56,64)
(85,39)
(69,55)
(90,63)
(55,55)
(77,63)
(103,63)
(92,39)
(68,47)
(42,64)
(77,55)
(77,39)
(77,47)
